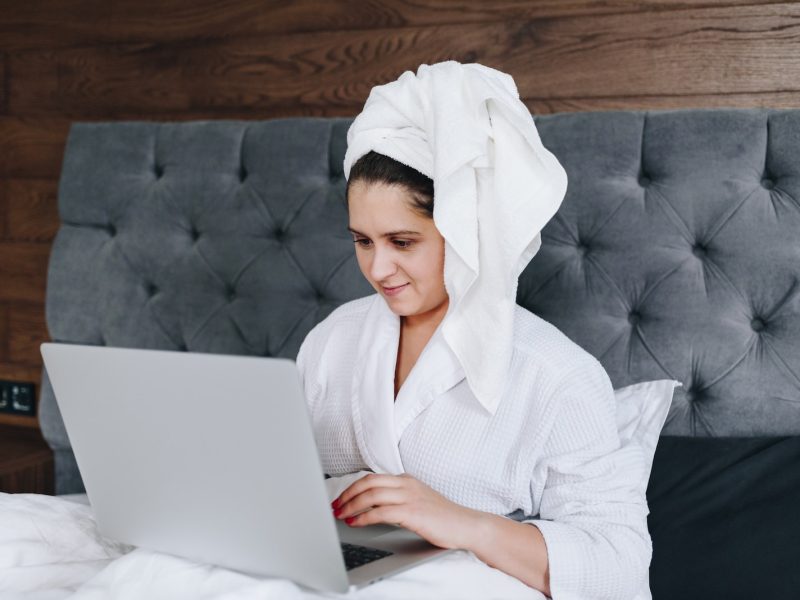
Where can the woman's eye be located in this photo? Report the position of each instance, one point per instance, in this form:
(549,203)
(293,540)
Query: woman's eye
(402,244)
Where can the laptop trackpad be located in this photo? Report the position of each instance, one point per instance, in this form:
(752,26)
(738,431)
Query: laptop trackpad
(361,535)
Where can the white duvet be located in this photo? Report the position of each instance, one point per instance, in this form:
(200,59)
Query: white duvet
(50,548)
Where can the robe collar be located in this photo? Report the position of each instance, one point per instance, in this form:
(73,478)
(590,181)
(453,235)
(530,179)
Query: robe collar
(379,420)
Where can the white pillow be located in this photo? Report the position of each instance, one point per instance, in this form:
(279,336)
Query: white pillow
(642,410)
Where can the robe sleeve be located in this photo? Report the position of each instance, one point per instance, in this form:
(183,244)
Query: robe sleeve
(593,516)
(308,365)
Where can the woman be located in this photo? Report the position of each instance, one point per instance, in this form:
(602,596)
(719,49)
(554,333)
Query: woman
(388,393)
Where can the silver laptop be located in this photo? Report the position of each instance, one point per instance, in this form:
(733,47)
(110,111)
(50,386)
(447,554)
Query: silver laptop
(212,457)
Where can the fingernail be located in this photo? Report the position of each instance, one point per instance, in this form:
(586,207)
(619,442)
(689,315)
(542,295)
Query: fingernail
(337,512)
(335,503)
(349,520)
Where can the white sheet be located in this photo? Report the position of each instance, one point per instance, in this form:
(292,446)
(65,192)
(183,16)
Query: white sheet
(50,549)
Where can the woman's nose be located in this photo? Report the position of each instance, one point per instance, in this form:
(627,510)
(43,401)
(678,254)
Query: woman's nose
(383,265)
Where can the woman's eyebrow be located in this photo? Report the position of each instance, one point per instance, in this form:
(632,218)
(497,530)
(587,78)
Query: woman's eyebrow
(389,233)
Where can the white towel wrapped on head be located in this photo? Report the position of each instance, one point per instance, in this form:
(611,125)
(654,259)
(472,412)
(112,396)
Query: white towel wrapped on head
(495,187)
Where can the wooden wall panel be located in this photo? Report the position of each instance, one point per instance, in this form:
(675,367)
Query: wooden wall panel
(3,209)
(20,372)
(178,60)
(59,23)
(584,57)
(235,74)
(637,54)
(31,210)
(3,333)
(666,102)
(23,271)
(26,462)
(26,330)
(3,84)
(32,147)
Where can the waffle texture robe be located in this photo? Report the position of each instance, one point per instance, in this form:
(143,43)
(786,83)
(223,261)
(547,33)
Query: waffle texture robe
(551,450)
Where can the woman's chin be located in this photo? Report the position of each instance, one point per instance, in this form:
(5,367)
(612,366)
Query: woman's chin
(400,306)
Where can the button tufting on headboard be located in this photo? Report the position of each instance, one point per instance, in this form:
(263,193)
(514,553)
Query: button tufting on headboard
(743,255)
(609,249)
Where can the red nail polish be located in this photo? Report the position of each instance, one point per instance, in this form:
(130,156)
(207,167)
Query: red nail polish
(335,503)
(349,520)
(337,512)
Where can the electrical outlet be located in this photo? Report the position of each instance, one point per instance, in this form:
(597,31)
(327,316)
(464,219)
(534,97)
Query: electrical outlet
(17,397)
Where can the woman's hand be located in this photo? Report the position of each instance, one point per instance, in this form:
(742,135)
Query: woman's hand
(517,549)
(407,502)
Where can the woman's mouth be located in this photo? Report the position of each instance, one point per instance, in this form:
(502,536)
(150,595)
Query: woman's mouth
(393,291)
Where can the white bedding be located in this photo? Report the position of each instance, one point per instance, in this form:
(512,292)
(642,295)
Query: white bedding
(50,549)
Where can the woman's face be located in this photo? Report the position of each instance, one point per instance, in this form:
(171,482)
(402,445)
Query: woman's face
(399,251)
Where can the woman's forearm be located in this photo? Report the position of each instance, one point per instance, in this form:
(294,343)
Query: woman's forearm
(515,548)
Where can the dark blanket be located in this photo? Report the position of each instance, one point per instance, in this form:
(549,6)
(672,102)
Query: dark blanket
(725,518)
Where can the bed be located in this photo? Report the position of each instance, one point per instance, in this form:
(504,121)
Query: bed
(675,254)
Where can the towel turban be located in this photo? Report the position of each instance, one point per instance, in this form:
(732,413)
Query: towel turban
(495,187)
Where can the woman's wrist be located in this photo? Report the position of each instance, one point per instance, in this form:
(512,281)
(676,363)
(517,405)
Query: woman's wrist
(517,549)
(479,531)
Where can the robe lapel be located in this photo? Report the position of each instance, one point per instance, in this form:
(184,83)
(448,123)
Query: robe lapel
(437,370)
(379,421)
(373,389)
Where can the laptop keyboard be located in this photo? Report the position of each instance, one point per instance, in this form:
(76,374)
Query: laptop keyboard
(356,556)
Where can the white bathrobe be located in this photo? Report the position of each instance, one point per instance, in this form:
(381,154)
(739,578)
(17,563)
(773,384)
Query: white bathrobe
(550,449)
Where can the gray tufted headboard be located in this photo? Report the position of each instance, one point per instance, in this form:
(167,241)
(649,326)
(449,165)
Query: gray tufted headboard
(676,252)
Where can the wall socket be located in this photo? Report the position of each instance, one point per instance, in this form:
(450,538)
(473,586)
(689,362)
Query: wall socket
(17,398)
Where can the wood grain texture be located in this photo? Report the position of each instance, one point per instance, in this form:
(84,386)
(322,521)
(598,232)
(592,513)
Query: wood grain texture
(35,476)
(26,330)
(60,23)
(20,420)
(21,372)
(23,271)
(31,209)
(16,446)
(3,209)
(665,102)
(3,83)
(3,333)
(741,49)
(32,147)
(26,462)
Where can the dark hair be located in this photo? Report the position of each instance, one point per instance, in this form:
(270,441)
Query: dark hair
(379,168)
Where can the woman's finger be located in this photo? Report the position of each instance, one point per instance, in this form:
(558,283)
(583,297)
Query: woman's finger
(372,497)
(365,483)
(392,514)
